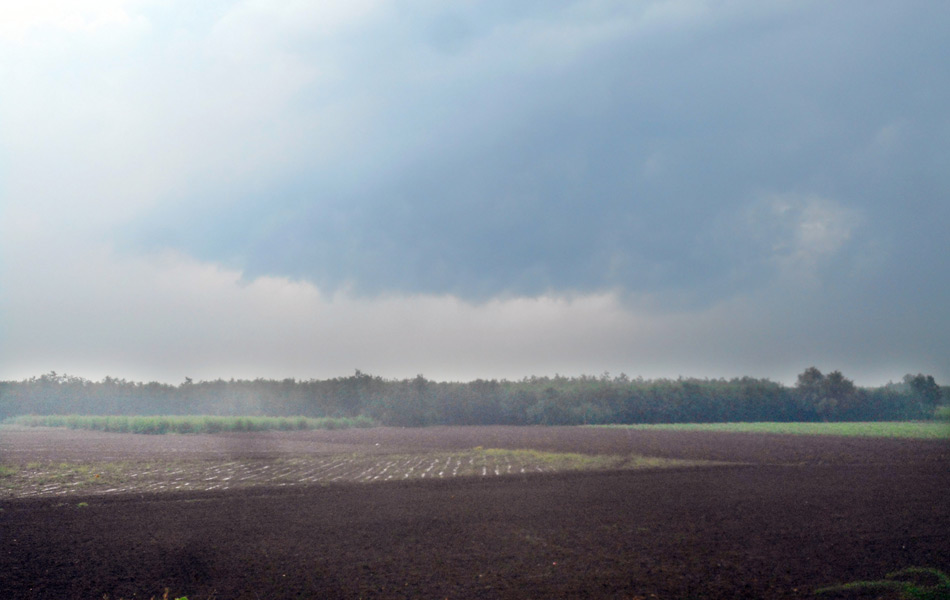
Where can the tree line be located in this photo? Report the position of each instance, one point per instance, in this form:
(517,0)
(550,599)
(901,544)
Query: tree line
(532,400)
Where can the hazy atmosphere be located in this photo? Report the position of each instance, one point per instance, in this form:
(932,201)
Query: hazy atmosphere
(474,190)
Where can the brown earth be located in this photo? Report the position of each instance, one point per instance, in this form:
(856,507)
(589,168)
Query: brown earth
(799,513)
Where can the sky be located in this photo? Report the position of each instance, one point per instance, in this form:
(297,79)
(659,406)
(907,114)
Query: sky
(698,188)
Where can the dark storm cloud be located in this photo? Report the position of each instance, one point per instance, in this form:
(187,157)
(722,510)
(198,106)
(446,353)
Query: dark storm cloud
(681,187)
(628,164)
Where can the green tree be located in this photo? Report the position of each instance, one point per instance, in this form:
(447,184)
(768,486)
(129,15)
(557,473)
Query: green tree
(827,397)
(925,389)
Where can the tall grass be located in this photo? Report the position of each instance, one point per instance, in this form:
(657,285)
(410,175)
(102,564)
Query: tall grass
(187,423)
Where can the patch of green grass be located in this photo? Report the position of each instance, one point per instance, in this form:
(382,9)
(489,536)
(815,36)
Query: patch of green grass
(572,461)
(187,423)
(7,471)
(554,460)
(76,475)
(893,429)
(912,583)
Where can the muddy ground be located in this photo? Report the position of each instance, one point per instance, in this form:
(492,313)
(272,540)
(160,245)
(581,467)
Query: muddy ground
(790,514)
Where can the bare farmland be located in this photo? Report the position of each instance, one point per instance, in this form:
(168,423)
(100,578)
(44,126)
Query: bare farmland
(499,513)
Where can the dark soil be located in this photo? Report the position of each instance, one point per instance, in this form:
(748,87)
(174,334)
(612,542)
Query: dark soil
(806,512)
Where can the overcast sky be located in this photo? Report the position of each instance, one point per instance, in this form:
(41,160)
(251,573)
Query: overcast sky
(474,189)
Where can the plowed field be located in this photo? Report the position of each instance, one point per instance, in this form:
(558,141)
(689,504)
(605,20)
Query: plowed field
(499,513)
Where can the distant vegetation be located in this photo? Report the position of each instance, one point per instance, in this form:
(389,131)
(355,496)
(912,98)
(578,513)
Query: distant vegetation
(187,423)
(816,397)
(890,429)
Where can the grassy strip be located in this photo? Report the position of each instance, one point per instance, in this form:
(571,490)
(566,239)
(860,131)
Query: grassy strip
(899,429)
(907,583)
(187,423)
(77,476)
(572,461)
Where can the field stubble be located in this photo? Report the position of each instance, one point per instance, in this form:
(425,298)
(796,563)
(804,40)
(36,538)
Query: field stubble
(39,462)
(43,462)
